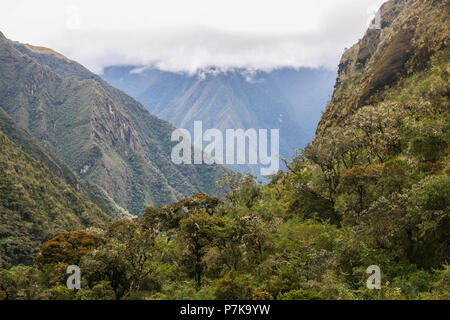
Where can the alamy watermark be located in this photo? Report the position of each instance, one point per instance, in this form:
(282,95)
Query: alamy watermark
(235,147)
(374,281)
(74,280)
(73,21)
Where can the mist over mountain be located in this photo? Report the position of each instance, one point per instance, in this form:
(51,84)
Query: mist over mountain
(287,99)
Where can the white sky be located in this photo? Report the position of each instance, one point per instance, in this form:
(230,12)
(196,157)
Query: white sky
(188,35)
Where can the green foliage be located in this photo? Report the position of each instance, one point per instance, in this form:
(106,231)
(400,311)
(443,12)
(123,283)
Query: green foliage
(100,291)
(372,189)
(301,295)
(126,259)
(60,292)
(413,284)
(67,247)
(441,287)
(34,205)
(233,287)
(429,214)
(169,217)
(197,234)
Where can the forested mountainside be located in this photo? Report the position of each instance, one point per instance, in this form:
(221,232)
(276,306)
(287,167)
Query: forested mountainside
(103,135)
(35,204)
(31,146)
(373,188)
(286,99)
(411,32)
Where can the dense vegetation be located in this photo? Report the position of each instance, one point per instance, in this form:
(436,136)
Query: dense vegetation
(373,188)
(34,148)
(34,205)
(373,191)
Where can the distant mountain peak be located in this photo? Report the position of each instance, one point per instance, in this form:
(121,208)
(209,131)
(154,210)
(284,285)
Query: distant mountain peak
(237,98)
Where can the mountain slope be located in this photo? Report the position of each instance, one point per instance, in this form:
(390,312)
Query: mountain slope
(102,134)
(411,32)
(34,204)
(285,99)
(31,146)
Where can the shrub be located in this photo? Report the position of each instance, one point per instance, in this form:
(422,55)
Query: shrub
(301,295)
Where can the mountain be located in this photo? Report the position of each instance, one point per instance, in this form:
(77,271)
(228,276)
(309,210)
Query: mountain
(104,136)
(382,145)
(409,33)
(35,204)
(286,99)
(31,146)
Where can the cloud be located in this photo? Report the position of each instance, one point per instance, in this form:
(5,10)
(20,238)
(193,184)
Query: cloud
(179,35)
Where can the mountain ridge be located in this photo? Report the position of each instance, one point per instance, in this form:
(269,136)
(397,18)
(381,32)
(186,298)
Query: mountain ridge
(119,146)
(411,32)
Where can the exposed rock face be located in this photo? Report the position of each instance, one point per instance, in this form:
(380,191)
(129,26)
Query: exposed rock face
(376,23)
(408,36)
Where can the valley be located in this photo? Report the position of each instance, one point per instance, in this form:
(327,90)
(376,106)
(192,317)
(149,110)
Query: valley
(100,180)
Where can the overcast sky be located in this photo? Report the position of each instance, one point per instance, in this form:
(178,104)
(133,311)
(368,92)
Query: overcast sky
(188,35)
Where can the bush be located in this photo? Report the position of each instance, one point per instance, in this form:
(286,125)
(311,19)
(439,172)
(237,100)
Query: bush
(301,295)
(233,287)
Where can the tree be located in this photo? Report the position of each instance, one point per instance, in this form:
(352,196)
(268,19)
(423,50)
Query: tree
(233,286)
(247,231)
(325,152)
(126,258)
(429,218)
(359,179)
(166,217)
(441,287)
(377,129)
(239,189)
(67,247)
(301,295)
(196,235)
(8,286)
